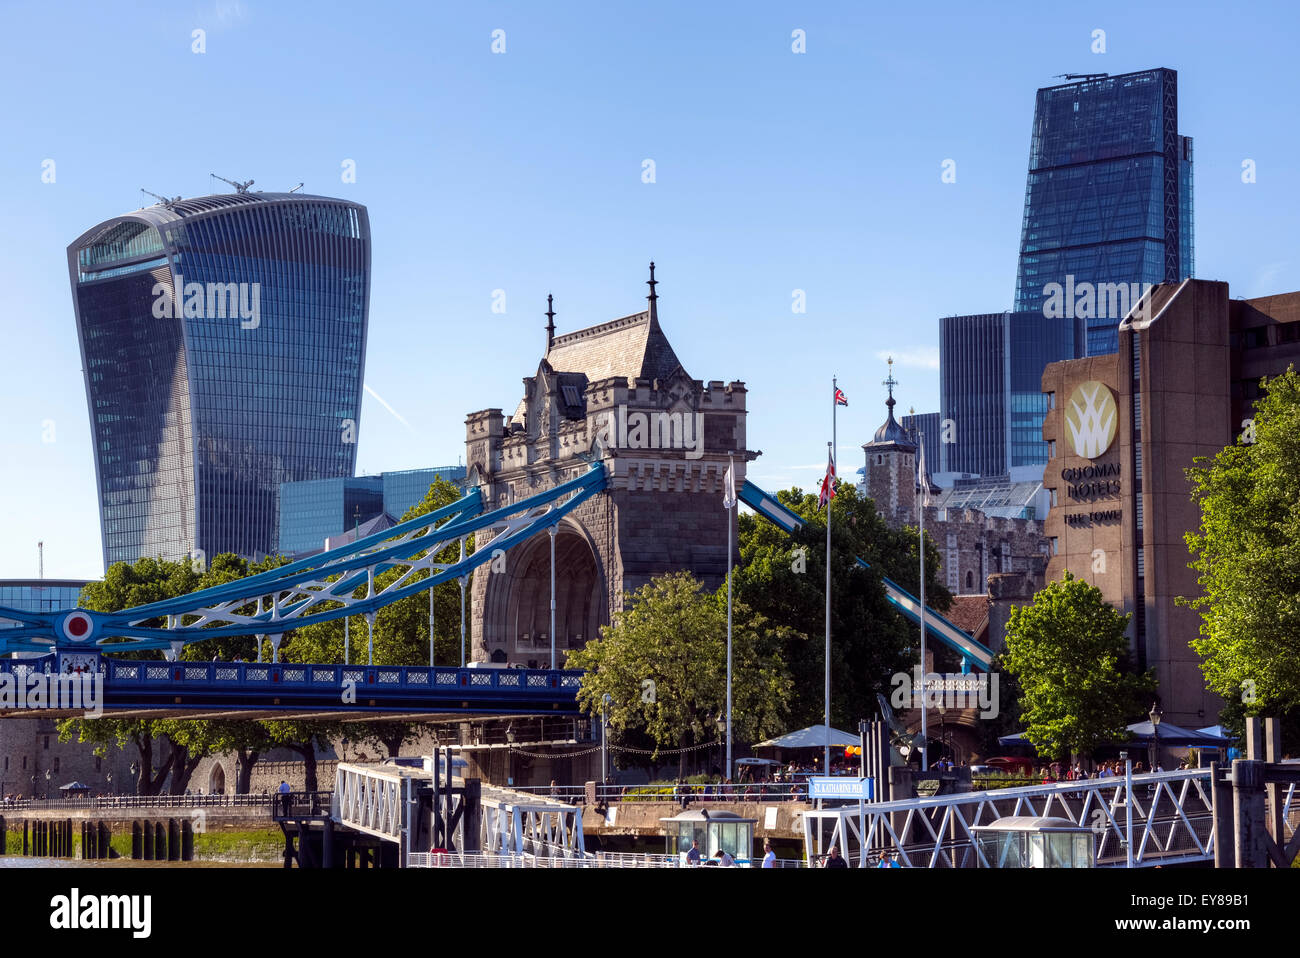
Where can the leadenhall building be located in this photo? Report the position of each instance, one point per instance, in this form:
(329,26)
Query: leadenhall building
(1122,429)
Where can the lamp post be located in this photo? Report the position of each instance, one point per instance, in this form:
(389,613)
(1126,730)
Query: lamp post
(943,733)
(721,723)
(135,778)
(604,740)
(1156,715)
(108,776)
(48,773)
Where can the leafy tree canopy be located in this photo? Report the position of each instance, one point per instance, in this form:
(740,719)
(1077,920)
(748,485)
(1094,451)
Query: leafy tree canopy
(1069,654)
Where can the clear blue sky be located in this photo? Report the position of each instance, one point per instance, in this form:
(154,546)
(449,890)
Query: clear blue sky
(522,172)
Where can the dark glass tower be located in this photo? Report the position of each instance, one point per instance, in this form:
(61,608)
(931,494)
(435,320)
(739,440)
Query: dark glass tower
(205,397)
(1108,198)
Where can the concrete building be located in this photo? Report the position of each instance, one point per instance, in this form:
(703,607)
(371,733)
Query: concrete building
(1122,428)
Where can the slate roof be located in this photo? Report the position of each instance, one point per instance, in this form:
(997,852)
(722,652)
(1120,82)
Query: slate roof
(633,347)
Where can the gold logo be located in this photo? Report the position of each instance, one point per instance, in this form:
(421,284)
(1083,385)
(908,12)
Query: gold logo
(1091,419)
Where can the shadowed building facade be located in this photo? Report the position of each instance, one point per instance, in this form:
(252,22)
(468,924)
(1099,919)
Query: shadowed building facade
(614,393)
(1124,428)
(223,344)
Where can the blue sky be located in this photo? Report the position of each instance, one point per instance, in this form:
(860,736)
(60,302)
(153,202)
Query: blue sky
(522,171)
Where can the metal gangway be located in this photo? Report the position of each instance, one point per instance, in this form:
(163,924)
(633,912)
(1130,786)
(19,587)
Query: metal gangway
(1166,818)
(519,823)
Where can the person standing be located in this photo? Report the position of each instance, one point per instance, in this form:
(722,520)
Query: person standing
(769,856)
(833,860)
(285,798)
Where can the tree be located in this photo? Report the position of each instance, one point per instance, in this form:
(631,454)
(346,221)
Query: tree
(1247,555)
(1069,654)
(663,665)
(304,737)
(783,577)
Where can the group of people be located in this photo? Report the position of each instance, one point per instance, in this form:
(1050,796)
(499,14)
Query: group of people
(725,859)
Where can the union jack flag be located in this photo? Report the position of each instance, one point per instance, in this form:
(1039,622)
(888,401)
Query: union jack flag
(840,398)
(828,483)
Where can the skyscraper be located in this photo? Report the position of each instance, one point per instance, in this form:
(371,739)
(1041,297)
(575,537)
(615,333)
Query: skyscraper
(1108,200)
(223,344)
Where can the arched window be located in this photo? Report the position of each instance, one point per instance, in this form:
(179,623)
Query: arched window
(970,579)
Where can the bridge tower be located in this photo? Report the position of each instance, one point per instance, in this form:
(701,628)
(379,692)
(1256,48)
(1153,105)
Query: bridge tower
(613,393)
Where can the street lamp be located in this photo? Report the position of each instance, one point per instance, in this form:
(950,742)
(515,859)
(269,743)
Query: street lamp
(1156,715)
(943,733)
(135,778)
(48,773)
(721,723)
(109,777)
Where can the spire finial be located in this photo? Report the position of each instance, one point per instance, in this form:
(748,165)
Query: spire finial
(653,297)
(891,382)
(550,323)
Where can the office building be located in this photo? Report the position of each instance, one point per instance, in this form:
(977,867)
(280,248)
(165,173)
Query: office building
(1108,202)
(38,595)
(1185,377)
(318,510)
(223,343)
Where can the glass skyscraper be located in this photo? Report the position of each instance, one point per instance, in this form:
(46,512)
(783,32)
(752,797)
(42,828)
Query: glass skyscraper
(223,343)
(1108,200)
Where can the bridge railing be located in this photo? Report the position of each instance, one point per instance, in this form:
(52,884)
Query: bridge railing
(138,801)
(1172,818)
(308,675)
(298,805)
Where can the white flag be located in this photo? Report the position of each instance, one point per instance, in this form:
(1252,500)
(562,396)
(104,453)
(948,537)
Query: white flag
(729,488)
(922,477)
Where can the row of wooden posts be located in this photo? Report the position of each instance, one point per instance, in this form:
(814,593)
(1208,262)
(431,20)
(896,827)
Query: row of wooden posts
(151,840)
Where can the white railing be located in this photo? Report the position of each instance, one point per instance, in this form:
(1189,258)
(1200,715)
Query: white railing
(369,799)
(1172,822)
(516,860)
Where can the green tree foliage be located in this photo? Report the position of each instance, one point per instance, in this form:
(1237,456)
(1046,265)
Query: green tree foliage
(783,578)
(673,636)
(1247,554)
(1069,654)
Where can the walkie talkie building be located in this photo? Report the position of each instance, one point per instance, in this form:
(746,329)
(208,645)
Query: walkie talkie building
(223,343)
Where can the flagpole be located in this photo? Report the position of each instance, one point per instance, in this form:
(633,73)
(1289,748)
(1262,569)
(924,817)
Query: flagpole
(826,748)
(920,533)
(731,504)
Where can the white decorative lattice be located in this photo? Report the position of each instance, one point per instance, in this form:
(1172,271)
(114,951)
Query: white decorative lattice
(417,678)
(294,675)
(227,675)
(389,677)
(447,678)
(130,672)
(196,674)
(510,679)
(322,675)
(480,678)
(537,682)
(158,672)
(354,675)
(257,675)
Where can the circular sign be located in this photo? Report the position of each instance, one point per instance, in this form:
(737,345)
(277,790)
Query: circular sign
(1091,419)
(77,626)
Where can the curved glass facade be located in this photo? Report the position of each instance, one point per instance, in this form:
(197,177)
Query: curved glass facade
(223,340)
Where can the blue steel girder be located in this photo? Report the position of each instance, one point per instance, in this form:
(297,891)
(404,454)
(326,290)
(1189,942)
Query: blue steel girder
(293,595)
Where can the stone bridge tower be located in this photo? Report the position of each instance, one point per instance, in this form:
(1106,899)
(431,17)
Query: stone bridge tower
(613,393)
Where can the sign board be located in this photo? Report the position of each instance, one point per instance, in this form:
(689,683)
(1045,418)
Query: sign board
(854,789)
(78,663)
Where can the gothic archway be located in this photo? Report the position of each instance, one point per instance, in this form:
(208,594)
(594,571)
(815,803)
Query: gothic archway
(217,780)
(517,606)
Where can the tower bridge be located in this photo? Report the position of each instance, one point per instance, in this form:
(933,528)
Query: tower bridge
(614,452)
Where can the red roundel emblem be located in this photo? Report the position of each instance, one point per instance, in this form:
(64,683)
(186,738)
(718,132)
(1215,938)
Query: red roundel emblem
(77,625)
